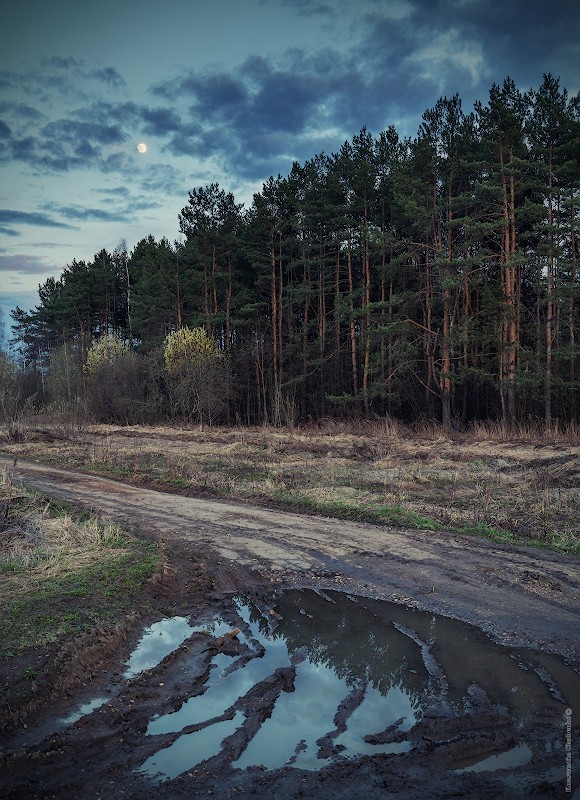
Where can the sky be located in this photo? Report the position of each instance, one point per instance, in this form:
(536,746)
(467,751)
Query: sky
(226,91)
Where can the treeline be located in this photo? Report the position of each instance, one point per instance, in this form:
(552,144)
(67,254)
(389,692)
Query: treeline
(434,277)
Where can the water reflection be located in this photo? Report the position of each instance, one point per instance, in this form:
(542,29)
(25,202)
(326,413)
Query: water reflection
(299,719)
(365,675)
(517,756)
(189,750)
(376,713)
(162,638)
(83,710)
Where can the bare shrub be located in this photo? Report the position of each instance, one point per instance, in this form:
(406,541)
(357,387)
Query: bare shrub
(18,393)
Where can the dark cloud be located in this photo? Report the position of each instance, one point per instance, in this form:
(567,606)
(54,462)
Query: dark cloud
(445,46)
(84,214)
(46,155)
(266,113)
(10,216)
(207,91)
(24,264)
(114,191)
(74,131)
(6,80)
(310,7)
(270,113)
(160,121)
(284,102)
(5,131)
(115,163)
(81,138)
(24,149)
(188,141)
(109,76)
(131,202)
(7,231)
(162,179)
(86,151)
(64,63)
(218,91)
(21,111)
(59,81)
(103,113)
(65,144)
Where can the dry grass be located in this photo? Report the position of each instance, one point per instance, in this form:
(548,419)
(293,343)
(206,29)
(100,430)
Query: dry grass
(54,545)
(36,545)
(522,487)
(61,571)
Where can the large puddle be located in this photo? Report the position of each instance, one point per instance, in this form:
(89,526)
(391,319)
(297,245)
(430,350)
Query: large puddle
(326,676)
(366,677)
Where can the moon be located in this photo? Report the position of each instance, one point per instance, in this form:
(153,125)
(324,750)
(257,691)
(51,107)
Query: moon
(142,147)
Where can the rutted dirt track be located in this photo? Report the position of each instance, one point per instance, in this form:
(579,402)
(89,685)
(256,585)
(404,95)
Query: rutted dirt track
(520,596)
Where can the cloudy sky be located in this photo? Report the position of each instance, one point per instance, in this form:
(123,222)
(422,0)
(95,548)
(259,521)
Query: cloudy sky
(223,90)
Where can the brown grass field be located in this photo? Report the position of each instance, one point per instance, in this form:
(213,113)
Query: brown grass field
(523,488)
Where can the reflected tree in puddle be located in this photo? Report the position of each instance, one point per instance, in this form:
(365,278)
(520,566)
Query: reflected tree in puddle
(366,676)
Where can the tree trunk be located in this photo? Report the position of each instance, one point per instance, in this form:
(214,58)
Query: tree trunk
(352,332)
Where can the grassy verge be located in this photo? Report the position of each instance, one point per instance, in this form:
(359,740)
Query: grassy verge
(522,490)
(396,516)
(62,571)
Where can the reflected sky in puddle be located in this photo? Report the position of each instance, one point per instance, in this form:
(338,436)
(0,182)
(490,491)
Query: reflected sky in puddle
(190,749)
(515,757)
(82,711)
(158,641)
(221,693)
(375,713)
(302,716)
(400,660)
(162,638)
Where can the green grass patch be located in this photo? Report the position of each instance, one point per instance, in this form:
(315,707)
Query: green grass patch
(400,517)
(563,543)
(43,613)
(63,570)
(371,512)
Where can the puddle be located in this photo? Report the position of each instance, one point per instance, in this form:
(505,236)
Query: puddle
(157,641)
(201,745)
(367,677)
(162,638)
(83,710)
(516,757)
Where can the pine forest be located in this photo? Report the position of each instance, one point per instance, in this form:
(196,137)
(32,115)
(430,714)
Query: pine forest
(429,278)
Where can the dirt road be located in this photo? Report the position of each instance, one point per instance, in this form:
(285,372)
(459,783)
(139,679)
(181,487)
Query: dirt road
(521,597)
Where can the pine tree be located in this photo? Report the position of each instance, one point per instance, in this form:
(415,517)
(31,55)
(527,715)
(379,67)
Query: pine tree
(502,125)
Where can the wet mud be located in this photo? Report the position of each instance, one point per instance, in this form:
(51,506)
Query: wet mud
(312,693)
(282,656)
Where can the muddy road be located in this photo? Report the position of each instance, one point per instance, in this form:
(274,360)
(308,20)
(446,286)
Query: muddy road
(519,597)
(524,596)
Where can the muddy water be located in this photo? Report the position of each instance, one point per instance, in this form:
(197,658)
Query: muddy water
(329,676)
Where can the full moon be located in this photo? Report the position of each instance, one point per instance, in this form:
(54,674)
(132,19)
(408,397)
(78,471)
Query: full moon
(142,147)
